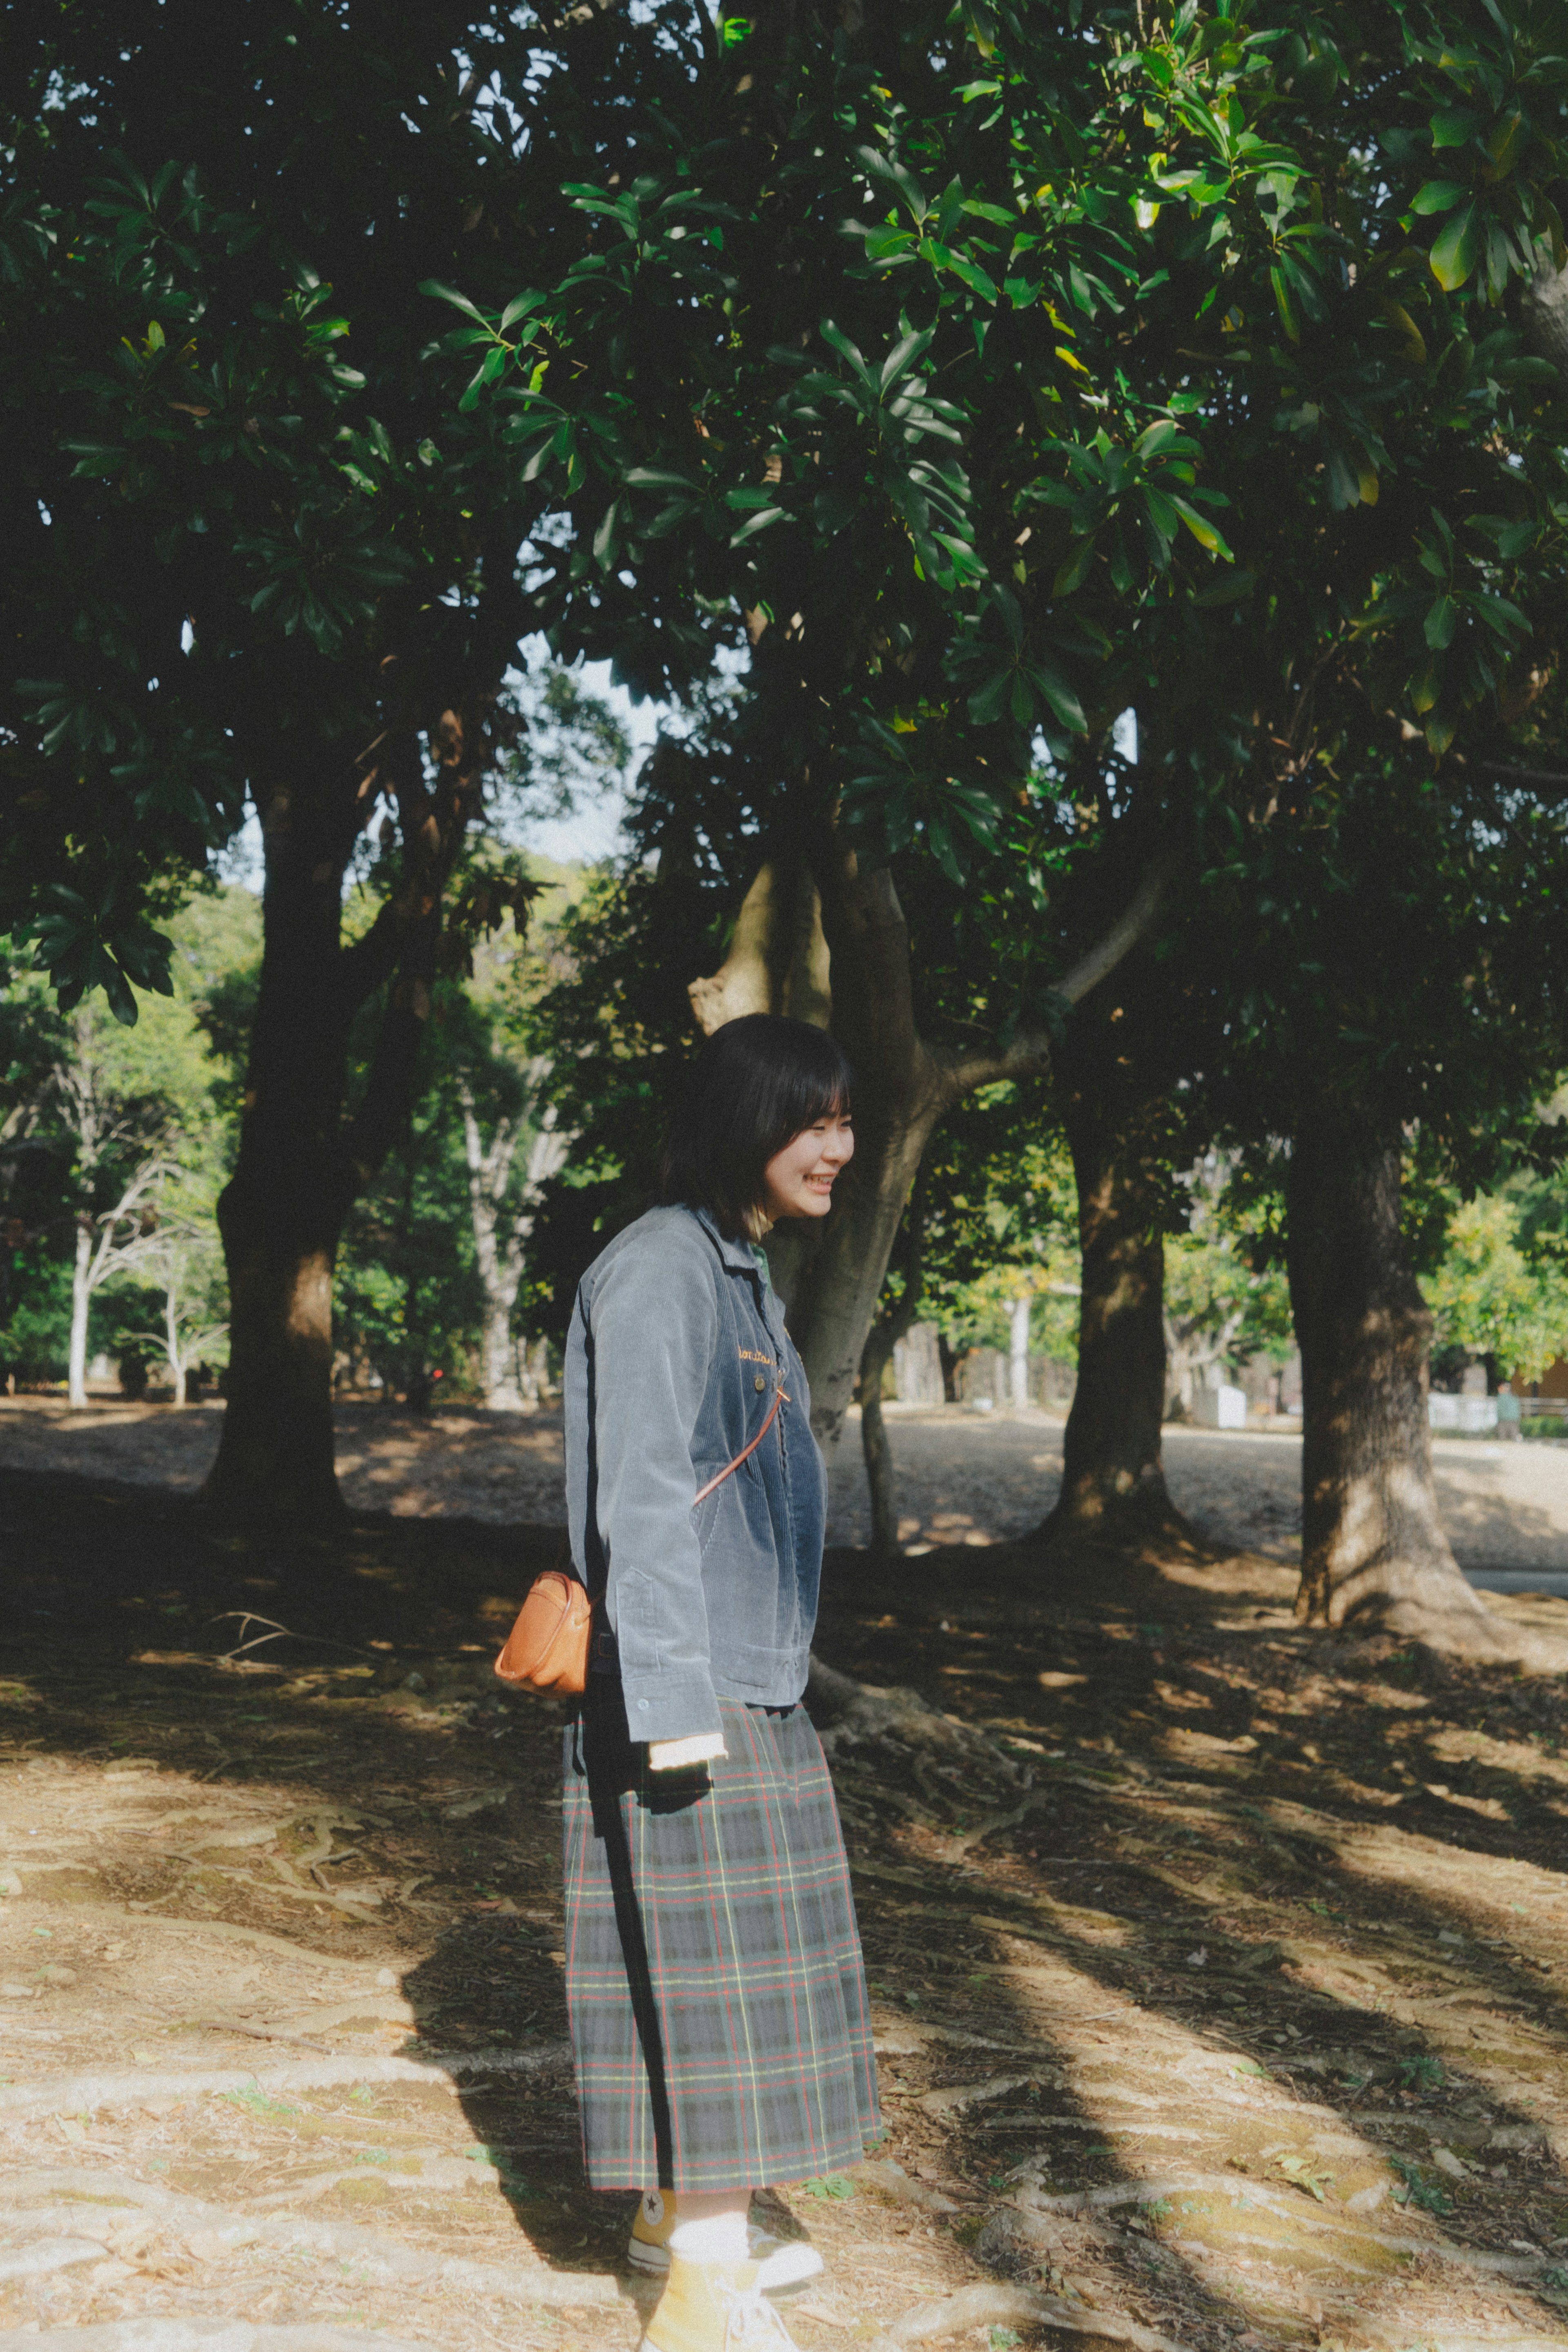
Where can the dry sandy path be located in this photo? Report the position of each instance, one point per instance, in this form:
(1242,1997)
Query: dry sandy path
(964,1476)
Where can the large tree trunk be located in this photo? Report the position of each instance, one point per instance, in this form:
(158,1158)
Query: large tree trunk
(282,1213)
(302,1162)
(1374,1552)
(1113,1478)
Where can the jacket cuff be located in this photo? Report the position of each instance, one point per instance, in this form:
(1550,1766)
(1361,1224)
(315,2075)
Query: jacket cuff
(670,1707)
(673,1755)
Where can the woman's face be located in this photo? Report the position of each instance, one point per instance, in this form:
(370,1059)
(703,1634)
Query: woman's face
(798,1180)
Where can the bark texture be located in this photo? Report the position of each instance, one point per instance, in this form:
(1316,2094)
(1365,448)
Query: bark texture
(281,1215)
(1373,1553)
(890,1327)
(1114,1481)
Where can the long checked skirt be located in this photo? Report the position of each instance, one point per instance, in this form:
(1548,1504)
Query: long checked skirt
(714,1977)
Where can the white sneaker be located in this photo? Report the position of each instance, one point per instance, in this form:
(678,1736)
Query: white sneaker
(781,2261)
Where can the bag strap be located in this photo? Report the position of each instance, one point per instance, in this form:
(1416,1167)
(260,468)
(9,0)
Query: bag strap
(703,1492)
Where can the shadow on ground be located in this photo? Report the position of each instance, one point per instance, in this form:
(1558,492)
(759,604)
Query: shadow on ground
(1219,1980)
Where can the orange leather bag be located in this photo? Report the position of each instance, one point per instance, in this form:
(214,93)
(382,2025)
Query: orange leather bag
(546,1648)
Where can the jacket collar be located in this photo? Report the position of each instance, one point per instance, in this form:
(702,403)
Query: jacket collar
(734,1254)
(737,1258)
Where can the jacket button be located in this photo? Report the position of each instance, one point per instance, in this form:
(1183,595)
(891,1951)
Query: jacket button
(759,1383)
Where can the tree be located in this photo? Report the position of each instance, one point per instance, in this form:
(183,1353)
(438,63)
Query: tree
(1226,1298)
(254,556)
(502,1225)
(186,1262)
(119,1155)
(989,1230)
(1399,1002)
(864,525)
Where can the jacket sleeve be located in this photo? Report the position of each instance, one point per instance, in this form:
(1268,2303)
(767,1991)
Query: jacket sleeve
(653,1326)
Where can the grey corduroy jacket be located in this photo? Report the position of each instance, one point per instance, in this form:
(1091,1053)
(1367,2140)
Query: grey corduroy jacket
(675,1348)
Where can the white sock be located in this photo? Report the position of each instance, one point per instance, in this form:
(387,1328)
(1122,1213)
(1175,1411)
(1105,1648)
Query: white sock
(719,2238)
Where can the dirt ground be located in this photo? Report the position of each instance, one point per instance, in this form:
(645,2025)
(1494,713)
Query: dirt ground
(965,1477)
(1218,1968)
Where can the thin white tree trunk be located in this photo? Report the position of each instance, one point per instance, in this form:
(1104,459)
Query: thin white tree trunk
(173,1347)
(82,1294)
(500,1259)
(489,1171)
(1018,1337)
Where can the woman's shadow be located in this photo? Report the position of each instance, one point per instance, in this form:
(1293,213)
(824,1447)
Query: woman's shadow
(489,2004)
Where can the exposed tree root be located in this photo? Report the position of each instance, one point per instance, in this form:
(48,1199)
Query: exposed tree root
(1019,2306)
(851,1714)
(217,2335)
(215,2229)
(1452,1619)
(1289,2204)
(47,2254)
(118,1915)
(79,2093)
(1138,1534)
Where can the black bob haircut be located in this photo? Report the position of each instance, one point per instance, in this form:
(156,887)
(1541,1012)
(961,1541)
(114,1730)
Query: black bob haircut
(757,1083)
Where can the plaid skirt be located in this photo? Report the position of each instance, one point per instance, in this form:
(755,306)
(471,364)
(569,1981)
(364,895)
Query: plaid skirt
(714,1979)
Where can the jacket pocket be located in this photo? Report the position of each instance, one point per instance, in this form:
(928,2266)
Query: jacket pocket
(706,1514)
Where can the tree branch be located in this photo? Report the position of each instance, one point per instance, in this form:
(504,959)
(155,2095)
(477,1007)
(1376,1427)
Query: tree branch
(1031,1048)
(1119,941)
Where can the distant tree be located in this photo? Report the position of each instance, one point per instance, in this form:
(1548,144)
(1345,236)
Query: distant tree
(1225,1297)
(119,1157)
(503,1211)
(1492,1296)
(117,1138)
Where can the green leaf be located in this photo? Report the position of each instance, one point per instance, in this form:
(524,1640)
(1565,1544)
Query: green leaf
(607,536)
(440,293)
(519,308)
(902,357)
(1438,196)
(1442,620)
(1060,695)
(1458,249)
(987,702)
(754,523)
(842,345)
(1075,569)
(1202,529)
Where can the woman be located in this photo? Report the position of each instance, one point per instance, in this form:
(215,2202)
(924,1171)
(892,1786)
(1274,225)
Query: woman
(714,1974)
